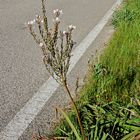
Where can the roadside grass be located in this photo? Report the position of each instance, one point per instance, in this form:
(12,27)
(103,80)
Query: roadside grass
(109,102)
(116,77)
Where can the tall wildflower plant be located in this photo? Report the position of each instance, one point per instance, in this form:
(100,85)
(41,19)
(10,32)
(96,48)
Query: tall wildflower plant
(57,47)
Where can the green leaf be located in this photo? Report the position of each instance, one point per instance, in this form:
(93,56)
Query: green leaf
(104,136)
(96,132)
(131,135)
(70,124)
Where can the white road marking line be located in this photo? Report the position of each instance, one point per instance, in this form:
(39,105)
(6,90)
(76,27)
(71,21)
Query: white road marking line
(24,117)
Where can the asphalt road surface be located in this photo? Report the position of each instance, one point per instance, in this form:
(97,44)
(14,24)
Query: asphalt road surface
(21,69)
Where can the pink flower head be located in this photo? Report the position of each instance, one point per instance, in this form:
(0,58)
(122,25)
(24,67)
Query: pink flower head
(57,12)
(71,27)
(31,23)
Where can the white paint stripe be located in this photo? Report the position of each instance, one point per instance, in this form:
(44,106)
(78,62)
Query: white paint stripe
(24,117)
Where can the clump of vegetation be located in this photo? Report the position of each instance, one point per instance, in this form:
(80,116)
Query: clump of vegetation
(107,98)
(110,121)
(109,105)
(127,14)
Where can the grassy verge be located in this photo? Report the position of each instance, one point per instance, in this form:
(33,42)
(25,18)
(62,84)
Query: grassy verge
(116,77)
(109,102)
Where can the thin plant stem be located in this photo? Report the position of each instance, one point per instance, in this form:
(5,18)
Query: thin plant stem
(76,109)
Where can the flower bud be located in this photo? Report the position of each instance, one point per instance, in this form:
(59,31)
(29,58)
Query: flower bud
(64,32)
(41,44)
(56,20)
(38,19)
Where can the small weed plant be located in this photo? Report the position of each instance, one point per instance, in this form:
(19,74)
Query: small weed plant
(56,46)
